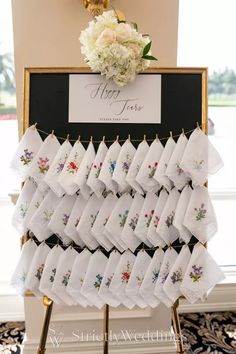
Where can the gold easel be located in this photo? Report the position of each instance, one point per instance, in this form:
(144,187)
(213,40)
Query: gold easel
(48,303)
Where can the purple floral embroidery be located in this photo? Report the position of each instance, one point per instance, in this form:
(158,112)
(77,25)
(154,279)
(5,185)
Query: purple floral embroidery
(133,221)
(61,164)
(66,277)
(43,164)
(165,273)
(198,164)
(52,276)
(27,157)
(196,273)
(125,275)
(123,218)
(170,219)
(148,218)
(179,170)
(93,218)
(155,274)
(39,271)
(200,212)
(98,281)
(97,167)
(139,279)
(177,276)
(23,210)
(65,219)
(152,169)
(126,164)
(109,279)
(112,165)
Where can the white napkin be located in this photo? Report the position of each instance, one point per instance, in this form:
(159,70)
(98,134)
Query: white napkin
(22,206)
(200,217)
(121,278)
(139,269)
(93,182)
(117,220)
(36,200)
(180,211)
(23,265)
(56,168)
(62,276)
(104,290)
(201,276)
(167,264)
(135,166)
(101,220)
(148,168)
(66,178)
(82,174)
(123,163)
(93,278)
(108,167)
(173,170)
(76,280)
(87,220)
(43,161)
(128,236)
(147,287)
(145,218)
(38,224)
(27,149)
(200,158)
(152,235)
(61,216)
(172,284)
(36,269)
(165,226)
(160,174)
(74,218)
(49,272)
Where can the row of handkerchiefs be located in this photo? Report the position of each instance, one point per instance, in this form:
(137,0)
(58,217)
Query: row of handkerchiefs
(71,278)
(124,222)
(66,169)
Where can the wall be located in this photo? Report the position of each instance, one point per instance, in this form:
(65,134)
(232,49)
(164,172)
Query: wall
(46,35)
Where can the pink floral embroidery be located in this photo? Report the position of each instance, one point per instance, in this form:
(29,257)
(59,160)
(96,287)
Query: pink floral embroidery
(43,164)
(125,275)
(152,169)
(97,167)
(149,218)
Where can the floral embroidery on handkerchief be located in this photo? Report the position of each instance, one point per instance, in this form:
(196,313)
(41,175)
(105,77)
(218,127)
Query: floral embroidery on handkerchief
(23,210)
(123,218)
(27,157)
(65,219)
(52,276)
(108,281)
(139,280)
(72,166)
(165,273)
(149,218)
(61,164)
(98,281)
(39,271)
(177,276)
(170,219)
(200,212)
(198,165)
(97,167)
(133,221)
(66,277)
(152,169)
(155,274)
(93,218)
(112,165)
(43,165)
(126,164)
(179,169)
(196,273)
(125,275)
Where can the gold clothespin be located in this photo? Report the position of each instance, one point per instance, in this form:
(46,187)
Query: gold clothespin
(198,126)
(103,138)
(129,137)
(157,137)
(78,140)
(183,132)
(35,125)
(171,134)
(67,138)
(91,139)
(144,137)
(117,138)
(52,133)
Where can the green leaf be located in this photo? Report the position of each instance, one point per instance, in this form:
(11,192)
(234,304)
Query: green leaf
(121,21)
(149,57)
(135,26)
(147,48)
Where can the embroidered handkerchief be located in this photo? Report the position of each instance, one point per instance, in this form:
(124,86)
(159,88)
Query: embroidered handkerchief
(180,211)
(35,202)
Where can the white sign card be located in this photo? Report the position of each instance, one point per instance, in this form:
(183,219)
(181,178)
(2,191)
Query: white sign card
(93,99)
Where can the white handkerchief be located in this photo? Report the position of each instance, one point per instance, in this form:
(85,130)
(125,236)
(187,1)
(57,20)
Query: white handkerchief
(60,217)
(117,220)
(39,222)
(174,171)
(140,267)
(27,150)
(104,290)
(200,158)
(201,276)
(165,226)
(108,167)
(22,268)
(172,284)
(121,278)
(145,218)
(128,236)
(56,168)
(152,235)
(62,276)
(66,178)
(36,269)
(22,206)
(43,161)
(93,278)
(36,200)
(180,211)
(74,218)
(135,166)
(84,170)
(87,220)
(101,220)
(200,217)
(160,174)
(149,166)
(49,272)
(123,163)
(148,285)
(93,182)
(76,280)
(167,264)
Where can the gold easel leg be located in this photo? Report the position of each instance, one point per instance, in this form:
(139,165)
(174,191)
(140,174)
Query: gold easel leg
(106,329)
(177,328)
(48,303)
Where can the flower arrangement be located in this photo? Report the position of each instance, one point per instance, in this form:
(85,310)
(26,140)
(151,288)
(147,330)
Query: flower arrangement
(115,48)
